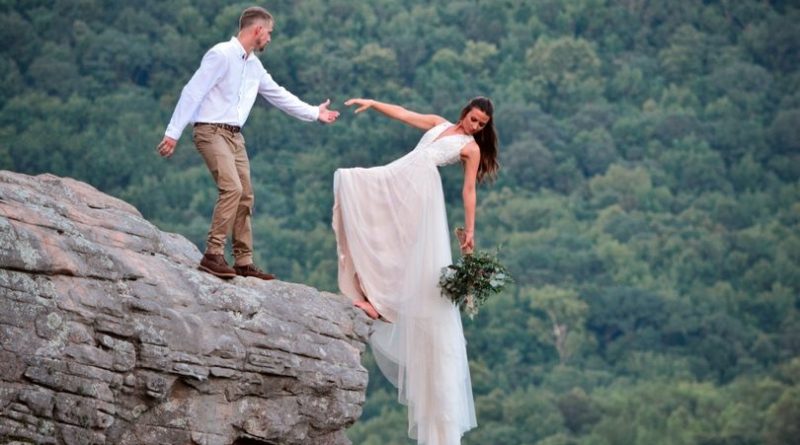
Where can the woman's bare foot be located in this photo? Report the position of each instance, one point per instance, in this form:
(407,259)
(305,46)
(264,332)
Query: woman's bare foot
(367,307)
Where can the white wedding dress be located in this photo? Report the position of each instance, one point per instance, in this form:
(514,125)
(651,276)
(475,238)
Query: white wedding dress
(393,241)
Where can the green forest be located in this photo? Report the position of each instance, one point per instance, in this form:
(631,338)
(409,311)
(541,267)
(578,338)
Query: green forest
(648,204)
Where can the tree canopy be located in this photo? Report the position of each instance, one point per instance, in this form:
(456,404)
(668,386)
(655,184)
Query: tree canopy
(648,204)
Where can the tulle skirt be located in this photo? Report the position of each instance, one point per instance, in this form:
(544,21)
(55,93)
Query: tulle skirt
(393,241)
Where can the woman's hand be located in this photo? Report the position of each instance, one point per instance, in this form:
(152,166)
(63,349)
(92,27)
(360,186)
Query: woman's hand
(363,104)
(468,244)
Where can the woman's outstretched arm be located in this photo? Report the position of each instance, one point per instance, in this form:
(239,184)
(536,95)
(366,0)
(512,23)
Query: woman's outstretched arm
(414,119)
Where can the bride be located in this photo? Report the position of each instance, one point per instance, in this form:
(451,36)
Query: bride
(393,241)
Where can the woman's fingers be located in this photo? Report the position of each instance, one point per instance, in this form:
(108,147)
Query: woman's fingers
(362,104)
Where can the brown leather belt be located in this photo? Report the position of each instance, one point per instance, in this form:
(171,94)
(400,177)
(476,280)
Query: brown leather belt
(231,128)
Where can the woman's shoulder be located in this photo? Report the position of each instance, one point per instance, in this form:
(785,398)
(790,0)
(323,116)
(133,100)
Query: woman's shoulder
(438,121)
(471,149)
(436,125)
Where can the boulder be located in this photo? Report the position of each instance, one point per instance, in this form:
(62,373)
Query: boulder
(110,335)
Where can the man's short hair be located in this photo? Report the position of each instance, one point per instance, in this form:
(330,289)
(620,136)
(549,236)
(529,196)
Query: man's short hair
(252,15)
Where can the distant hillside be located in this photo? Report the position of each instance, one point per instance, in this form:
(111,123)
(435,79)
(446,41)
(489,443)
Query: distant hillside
(649,200)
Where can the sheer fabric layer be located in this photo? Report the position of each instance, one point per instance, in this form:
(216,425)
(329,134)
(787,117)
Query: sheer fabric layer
(393,240)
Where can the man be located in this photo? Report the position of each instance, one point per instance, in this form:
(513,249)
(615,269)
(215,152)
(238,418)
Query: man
(218,99)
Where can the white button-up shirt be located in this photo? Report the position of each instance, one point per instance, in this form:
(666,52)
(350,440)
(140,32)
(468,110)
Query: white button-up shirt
(224,88)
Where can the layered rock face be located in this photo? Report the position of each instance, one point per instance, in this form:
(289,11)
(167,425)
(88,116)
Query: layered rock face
(109,335)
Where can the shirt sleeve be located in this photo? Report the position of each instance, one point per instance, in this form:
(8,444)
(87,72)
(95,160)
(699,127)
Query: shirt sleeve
(212,68)
(286,101)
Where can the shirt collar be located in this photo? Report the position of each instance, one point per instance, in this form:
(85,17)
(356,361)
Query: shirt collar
(238,44)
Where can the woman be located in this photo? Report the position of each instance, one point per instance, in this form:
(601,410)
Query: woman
(393,241)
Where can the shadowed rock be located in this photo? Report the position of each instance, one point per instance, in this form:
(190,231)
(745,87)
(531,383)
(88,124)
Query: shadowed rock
(109,335)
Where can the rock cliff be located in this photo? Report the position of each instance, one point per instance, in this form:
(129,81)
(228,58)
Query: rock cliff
(109,335)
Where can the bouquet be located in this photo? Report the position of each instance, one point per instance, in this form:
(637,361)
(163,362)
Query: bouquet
(473,278)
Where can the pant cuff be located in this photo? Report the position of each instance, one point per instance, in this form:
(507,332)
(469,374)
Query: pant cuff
(244,260)
(215,250)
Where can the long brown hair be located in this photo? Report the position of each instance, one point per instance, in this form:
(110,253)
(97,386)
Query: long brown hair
(486,139)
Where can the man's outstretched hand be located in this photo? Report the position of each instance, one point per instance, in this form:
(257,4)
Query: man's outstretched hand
(166,147)
(327,116)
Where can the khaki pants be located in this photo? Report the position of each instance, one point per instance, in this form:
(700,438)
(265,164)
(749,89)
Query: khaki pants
(226,158)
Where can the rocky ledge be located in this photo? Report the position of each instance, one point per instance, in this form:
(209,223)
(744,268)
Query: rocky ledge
(109,335)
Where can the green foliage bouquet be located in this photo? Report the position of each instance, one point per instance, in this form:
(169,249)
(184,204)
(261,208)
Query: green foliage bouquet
(473,279)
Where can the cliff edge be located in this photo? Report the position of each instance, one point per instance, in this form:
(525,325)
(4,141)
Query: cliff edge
(110,335)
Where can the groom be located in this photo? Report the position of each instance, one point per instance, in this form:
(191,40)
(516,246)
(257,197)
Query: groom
(218,99)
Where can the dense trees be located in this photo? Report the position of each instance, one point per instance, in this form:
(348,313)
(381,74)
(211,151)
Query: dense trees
(648,206)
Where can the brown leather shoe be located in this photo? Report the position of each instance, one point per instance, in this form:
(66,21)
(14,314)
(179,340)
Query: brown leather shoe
(216,265)
(250,270)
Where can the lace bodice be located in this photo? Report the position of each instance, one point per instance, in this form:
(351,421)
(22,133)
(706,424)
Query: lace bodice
(442,150)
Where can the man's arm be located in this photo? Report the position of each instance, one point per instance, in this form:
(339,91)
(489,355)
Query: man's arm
(212,68)
(291,104)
